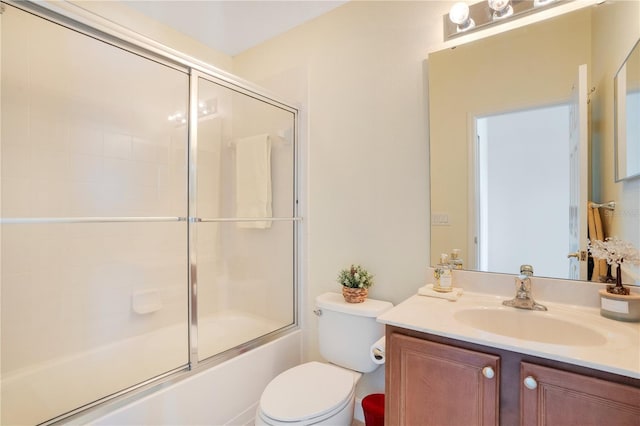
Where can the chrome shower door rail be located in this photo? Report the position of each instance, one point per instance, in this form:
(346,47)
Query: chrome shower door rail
(247,219)
(88,219)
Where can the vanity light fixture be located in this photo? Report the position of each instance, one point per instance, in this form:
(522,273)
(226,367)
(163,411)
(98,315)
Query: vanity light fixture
(464,17)
(459,15)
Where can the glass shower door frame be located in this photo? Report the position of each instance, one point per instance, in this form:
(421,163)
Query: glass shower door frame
(194,218)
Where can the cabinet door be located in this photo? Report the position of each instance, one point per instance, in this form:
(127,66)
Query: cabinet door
(435,384)
(555,397)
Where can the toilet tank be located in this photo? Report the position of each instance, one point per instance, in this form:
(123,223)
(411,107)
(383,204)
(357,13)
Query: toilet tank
(346,331)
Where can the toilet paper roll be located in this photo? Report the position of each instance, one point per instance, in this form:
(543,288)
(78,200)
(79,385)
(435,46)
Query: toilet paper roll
(377,351)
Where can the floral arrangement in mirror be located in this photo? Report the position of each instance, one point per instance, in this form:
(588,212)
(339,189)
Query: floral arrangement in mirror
(615,252)
(355,282)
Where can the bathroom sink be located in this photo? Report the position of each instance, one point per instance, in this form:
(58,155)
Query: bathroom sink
(575,334)
(535,326)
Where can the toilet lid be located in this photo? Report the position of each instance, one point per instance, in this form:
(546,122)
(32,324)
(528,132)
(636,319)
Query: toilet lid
(306,391)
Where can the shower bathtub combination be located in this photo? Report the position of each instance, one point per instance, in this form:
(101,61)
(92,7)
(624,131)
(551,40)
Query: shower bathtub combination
(149,221)
(22,389)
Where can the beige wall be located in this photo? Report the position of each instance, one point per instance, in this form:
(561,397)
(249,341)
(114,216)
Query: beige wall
(359,73)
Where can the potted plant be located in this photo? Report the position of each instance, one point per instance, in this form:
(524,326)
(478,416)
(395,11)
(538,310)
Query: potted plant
(355,282)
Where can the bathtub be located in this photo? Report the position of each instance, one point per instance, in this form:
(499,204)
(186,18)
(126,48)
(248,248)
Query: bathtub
(37,393)
(228,329)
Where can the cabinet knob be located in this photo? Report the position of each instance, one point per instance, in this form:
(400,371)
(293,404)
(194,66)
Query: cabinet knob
(488,372)
(530,383)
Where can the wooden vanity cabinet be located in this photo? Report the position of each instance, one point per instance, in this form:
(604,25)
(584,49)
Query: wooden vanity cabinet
(436,384)
(554,397)
(432,380)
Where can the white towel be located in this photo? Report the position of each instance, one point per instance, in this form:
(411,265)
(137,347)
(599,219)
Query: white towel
(428,290)
(253,180)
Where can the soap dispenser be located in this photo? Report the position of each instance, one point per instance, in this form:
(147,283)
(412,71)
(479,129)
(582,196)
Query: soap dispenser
(455,260)
(442,274)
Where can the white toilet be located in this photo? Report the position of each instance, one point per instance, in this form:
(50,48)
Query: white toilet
(318,393)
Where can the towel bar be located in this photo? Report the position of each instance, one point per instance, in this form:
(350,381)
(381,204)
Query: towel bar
(611,205)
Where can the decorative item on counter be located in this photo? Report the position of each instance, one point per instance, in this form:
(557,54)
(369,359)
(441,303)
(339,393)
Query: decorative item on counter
(455,260)
(355,283)
(442,274)
(619,306)
(617,302)
(615,252)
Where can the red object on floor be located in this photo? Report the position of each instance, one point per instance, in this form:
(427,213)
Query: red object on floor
(373,407)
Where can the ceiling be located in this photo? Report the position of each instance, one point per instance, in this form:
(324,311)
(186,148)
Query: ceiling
(233,26)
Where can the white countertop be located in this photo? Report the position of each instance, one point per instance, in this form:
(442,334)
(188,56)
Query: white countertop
(616,350)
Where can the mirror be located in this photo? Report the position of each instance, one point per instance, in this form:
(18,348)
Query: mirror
(524,70)
(627,113)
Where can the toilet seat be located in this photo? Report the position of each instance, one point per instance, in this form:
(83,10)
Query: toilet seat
(308,391)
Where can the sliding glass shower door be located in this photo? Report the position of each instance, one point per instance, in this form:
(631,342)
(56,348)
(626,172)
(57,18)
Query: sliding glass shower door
(245,205)
(147,217)
(94,186)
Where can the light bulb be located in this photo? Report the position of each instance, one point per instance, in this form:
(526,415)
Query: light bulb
(459,15)
(498,5)
(501,8)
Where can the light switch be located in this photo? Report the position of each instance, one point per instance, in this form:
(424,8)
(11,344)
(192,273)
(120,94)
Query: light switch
(440,219)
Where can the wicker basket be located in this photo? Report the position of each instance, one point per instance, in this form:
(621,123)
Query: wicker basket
(354,295)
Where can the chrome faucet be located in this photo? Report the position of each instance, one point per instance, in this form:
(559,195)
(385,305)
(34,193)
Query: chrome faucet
(523,299)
